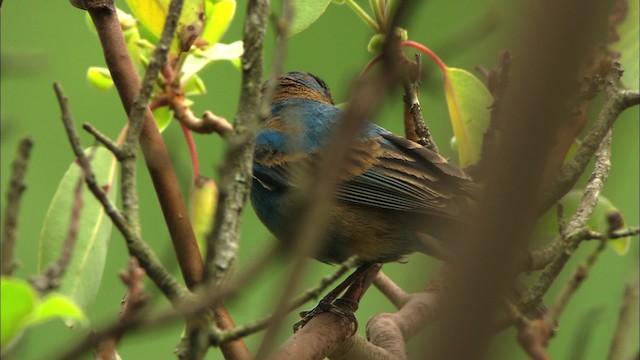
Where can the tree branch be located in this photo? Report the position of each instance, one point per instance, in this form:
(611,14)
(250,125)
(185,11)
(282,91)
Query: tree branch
(617,101)
(577,222)
(155,152)
(12,211)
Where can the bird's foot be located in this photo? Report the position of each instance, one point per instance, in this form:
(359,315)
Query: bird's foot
(340,307)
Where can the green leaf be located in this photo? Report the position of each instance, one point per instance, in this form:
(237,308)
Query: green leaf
(163,116)
(548,223)
(306,12)
(100,78)
(468,101)
(202,208)
(152,14)
(18,300)
(21,308)
(218,16)
(54,306)
(628,45)
(82,278)
(194,86)
(198,59)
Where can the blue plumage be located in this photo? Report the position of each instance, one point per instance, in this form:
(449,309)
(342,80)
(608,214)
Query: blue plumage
(394,196)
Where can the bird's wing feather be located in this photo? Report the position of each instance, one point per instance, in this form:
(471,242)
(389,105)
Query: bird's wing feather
(385,171)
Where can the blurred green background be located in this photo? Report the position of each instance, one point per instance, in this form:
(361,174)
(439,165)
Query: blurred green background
(45,41)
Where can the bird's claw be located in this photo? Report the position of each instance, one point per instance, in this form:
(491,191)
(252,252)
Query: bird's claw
(340,307)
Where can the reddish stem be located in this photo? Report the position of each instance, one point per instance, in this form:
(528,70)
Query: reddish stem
(192,151)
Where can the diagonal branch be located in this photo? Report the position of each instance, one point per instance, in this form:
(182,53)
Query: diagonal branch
(136,246)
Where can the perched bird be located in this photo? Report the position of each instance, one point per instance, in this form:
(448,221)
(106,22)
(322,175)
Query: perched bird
(394,196)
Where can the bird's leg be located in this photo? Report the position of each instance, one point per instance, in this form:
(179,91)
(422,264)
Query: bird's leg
(355,285)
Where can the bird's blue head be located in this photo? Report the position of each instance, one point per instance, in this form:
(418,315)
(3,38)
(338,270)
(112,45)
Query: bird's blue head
(301,85)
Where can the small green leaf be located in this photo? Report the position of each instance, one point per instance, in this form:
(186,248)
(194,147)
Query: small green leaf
(202,208)
(375,43)
(548,223)
(54,306)
(468,101)
(100,78)
(628,45)
(198,59)
(218,16)
(21,308)
(18,300)
(82,278)
(306,12)
(163,116)
(194,86)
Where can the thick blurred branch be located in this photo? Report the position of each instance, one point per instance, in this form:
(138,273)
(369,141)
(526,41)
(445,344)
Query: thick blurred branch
(12,211)
(507,212)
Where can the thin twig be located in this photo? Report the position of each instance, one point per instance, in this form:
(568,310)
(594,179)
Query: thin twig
(413,110)
(12,211)
(626,320)
(616,103)
(134,301)
(104,140)
(572,286)
(50,278)
(576,224)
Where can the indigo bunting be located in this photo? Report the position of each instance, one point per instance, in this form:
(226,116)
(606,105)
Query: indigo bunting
(394,197)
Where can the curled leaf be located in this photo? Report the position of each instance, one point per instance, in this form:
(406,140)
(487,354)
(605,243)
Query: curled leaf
(100,78)
(468,101)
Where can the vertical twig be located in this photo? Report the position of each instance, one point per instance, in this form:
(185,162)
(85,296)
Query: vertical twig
(12,211)
(626,321)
